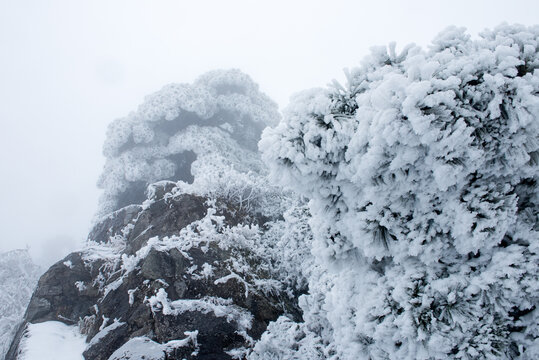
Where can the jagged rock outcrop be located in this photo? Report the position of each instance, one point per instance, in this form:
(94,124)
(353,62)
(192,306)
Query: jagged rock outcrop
(189,259)
(191,276)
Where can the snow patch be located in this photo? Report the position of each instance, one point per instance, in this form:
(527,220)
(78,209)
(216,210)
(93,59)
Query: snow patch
(145,348)
(52,340)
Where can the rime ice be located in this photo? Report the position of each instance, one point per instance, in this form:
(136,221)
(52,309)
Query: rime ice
(422,175)
(183,132)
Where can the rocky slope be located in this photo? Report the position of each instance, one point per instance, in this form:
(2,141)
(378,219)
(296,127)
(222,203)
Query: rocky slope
(188,274)
(190,260)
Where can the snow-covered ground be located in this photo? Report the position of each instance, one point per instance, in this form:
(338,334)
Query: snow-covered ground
(52,340)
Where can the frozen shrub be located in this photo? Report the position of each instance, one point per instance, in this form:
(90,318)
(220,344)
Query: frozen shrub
(422,174)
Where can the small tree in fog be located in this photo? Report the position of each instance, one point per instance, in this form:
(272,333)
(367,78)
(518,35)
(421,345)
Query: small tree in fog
(185,131)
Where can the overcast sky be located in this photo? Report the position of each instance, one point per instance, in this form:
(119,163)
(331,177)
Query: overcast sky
(67,68)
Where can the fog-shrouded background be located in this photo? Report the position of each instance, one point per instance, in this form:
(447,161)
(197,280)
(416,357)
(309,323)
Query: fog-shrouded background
(68,68)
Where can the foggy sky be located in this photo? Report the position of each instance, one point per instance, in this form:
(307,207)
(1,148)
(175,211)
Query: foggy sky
(68,68)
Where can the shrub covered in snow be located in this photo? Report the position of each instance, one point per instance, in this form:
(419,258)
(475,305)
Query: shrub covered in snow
(422,175)
(18,278)
(184,132)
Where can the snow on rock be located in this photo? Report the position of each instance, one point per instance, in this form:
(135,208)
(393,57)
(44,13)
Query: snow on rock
(52,340)
(176,264)
(219,307)
(139,348)
(105,330)
(144,348)
(164,274)
(18,278)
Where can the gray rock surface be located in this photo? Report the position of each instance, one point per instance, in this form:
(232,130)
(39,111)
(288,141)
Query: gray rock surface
(152,271)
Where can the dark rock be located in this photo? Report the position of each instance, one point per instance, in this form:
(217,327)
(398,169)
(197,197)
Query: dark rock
(112,340)
(203,284)
(57,296)
(165,217)
(112,224)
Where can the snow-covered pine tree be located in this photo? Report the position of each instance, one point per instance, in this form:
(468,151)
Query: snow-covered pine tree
(189,132)
(422,175)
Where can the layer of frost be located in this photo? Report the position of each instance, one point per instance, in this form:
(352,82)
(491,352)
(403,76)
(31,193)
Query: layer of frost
(219,307)
(145,348)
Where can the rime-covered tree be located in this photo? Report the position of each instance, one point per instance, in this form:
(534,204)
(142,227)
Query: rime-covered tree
(422,174)
(186,132)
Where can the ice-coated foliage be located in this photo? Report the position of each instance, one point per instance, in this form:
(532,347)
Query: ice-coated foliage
(422,174)
(18,278)
(185,132)
(311,339)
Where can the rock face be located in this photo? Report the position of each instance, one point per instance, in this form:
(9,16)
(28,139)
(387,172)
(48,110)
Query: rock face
(190,277)
(195,267)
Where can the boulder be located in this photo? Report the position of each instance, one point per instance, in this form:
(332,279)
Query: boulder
(183,273)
